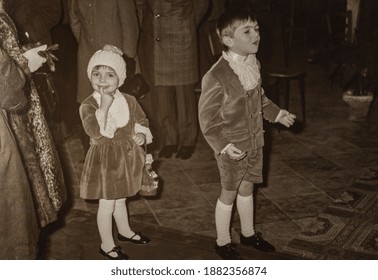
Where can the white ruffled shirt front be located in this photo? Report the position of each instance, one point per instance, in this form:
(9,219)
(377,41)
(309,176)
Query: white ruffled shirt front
(245,67)
(118,116)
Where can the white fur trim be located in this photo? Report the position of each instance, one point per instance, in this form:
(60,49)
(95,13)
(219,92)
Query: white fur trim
(110,128)
(119,110)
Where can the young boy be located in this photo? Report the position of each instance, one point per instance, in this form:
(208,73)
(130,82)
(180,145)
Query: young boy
(231,111)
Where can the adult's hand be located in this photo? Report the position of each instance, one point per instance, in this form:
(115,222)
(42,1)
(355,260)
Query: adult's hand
(35,61)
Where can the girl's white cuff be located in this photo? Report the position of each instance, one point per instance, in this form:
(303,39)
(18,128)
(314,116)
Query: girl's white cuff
(280,115)
(225,148)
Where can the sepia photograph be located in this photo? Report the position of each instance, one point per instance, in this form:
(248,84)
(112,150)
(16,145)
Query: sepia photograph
(199,131)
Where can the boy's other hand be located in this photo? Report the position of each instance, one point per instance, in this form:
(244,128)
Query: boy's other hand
(287,119)
(234,153)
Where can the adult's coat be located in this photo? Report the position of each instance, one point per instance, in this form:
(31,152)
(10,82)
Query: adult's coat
(95,23)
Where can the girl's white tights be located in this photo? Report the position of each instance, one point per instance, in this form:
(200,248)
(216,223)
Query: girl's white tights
(121,218)
(106,210)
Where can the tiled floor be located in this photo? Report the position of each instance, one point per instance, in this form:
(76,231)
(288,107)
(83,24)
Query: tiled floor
(305,171)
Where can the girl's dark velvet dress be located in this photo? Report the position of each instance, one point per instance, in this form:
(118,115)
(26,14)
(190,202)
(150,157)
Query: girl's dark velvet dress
(113,167)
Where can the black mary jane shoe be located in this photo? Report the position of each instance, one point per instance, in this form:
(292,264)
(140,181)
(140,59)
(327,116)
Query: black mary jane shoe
(167,151)
(142,240)
(117,249)
(257,242)
(227,252)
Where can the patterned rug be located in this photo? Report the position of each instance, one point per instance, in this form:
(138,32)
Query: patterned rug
(347,229)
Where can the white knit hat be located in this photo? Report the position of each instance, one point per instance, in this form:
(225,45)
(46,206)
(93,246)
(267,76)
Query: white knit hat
(111,59)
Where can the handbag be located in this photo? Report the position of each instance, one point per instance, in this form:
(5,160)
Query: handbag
(150,179)
(46,92)
(135,84)
(44,84)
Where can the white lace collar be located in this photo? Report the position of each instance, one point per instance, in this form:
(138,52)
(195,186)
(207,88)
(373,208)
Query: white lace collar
(119,110)
(245,67)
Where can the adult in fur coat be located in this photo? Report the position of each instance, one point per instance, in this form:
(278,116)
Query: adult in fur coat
(30,129)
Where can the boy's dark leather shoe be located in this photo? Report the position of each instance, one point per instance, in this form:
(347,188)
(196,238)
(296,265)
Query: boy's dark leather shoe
(143,239)
(185,152)
(257,242)
(167,151)
(120,255)
(227,252)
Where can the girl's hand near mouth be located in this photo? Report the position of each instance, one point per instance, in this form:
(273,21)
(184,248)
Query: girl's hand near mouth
(106,99)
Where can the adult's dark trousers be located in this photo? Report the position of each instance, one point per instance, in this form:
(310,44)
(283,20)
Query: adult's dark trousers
(177,110)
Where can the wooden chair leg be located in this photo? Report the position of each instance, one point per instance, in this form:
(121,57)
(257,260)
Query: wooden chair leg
(287,94)
(277,92)
(302,96)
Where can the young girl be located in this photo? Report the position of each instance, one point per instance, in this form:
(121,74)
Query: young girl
(117,127)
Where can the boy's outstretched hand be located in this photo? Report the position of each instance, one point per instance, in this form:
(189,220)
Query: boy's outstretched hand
(285,118)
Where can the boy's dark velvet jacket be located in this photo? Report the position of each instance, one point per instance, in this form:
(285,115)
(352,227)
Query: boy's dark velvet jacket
(230,114)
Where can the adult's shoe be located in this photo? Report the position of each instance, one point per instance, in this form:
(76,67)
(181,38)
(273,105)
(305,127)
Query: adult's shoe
(185,152)
(167,151)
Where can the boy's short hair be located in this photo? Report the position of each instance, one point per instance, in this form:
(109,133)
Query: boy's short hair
(231,19)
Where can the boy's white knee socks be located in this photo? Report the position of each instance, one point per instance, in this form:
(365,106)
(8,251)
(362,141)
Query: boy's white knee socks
(222,222)
(244,205)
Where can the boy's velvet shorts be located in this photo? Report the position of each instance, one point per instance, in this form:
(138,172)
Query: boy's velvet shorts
(249,169)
